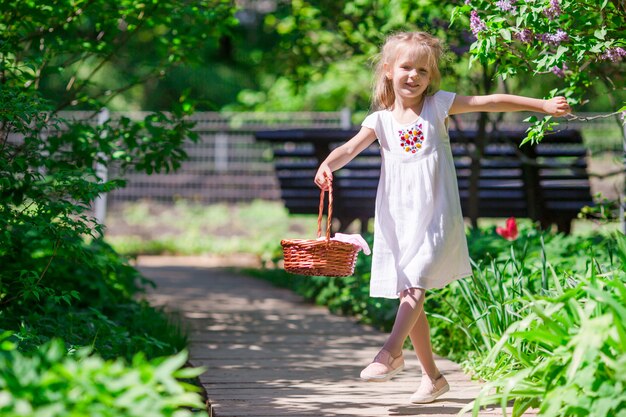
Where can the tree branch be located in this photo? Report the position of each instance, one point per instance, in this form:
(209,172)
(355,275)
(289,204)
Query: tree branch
(123,40)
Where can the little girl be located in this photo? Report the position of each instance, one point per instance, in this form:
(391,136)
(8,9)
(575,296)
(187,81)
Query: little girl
(419,234)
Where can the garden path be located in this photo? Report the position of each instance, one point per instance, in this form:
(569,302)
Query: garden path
(270,353)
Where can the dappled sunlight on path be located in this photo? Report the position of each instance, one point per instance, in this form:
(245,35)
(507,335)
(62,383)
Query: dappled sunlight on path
(268,353)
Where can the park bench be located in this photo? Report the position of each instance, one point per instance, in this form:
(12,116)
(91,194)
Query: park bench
(547,182)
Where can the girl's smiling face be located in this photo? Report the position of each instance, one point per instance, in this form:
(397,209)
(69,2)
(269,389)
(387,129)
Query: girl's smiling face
(410,75)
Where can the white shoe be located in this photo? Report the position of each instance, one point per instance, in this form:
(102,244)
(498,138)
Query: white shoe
(428,392)
(383,368)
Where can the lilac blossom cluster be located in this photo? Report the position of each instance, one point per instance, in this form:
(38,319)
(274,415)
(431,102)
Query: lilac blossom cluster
(506,5)
(614,54)
(525,35)
(554,39)
(559,72)
(554,10)
(476,24)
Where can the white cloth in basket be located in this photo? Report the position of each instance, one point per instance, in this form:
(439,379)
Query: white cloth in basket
(355,239)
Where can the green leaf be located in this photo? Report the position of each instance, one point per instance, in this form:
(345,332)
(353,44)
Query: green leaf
(600,33)
(171,364)
(561,50)
(188,373)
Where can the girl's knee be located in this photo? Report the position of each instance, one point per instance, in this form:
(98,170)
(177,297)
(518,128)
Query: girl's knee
(415,293)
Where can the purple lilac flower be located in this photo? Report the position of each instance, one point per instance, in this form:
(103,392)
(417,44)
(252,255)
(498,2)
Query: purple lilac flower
(561,36)
(524,36)
(555,39)
(554,10)
(468,1)
(476,24)
(506,5)
(614,54)
(559,72)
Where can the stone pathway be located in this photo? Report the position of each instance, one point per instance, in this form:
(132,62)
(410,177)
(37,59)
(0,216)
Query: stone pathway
(269,353)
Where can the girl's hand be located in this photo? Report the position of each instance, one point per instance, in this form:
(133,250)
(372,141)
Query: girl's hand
(557,106)
(323,177)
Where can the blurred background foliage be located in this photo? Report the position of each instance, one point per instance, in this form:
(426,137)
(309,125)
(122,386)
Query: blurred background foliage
(280,55)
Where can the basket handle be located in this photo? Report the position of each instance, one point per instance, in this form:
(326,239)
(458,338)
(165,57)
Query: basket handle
(321,211)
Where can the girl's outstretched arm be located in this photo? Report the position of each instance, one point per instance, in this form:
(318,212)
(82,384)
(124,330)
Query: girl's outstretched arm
(556,106)
(343,154)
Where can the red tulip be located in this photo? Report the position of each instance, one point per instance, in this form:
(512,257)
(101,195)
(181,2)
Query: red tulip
(509,232)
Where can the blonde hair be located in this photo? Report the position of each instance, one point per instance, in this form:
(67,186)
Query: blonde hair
(421,46)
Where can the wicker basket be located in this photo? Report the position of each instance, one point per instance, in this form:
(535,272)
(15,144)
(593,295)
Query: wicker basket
(320,257)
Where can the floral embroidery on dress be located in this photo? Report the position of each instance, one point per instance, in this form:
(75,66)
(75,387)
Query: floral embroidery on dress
(411,139)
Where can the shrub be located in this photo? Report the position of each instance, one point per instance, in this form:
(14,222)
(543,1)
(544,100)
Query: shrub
(88,297)
(48,382)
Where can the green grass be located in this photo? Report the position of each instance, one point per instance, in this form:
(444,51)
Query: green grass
(606,138)
(186,228)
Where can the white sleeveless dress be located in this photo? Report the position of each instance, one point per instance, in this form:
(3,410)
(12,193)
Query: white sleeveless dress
(419,234)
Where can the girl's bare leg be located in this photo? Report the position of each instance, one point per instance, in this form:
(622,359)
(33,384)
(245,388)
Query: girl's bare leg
(389,360)
(409,310)
(433,383)
(420,338)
